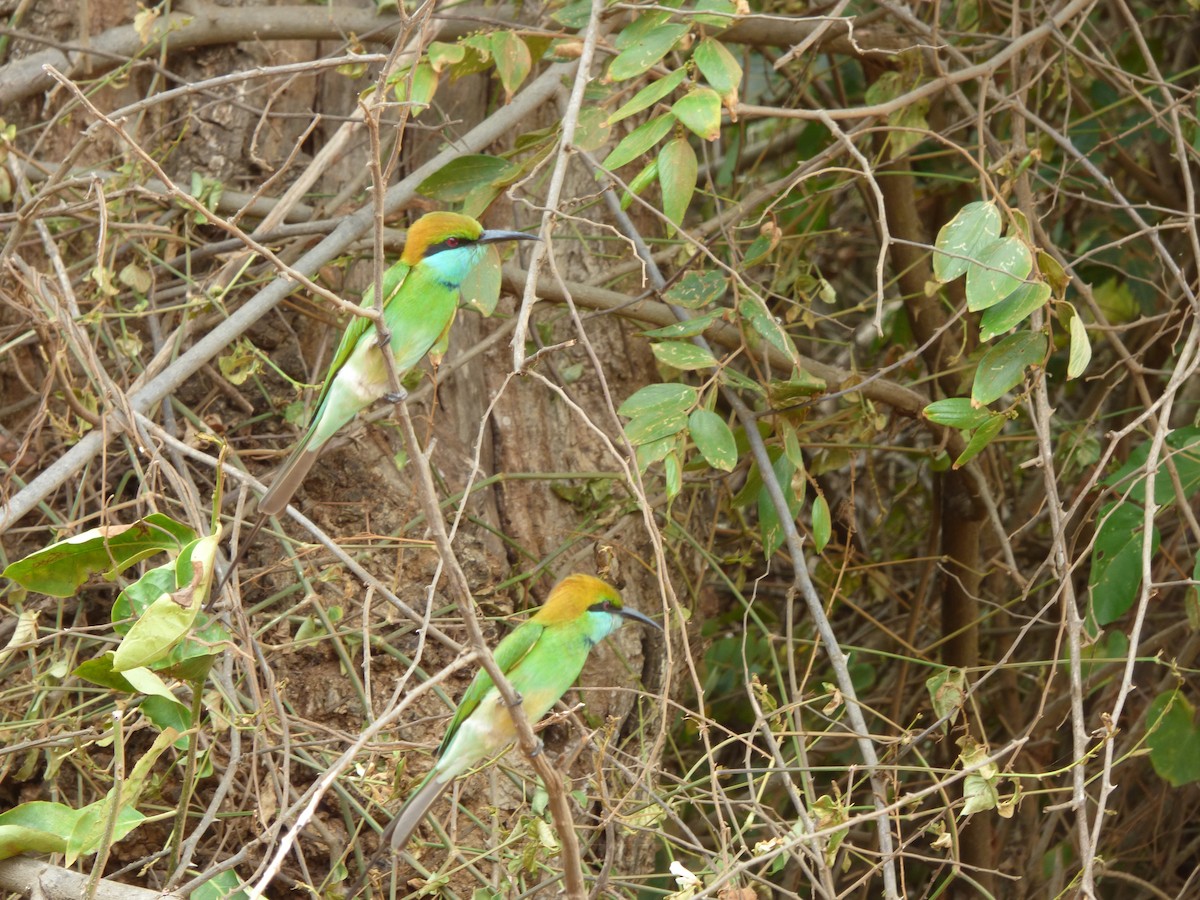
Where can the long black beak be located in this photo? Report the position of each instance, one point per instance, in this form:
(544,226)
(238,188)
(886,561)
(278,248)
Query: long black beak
(492,236)
(626,613)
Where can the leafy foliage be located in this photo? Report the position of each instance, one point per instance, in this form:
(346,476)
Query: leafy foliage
(873,423)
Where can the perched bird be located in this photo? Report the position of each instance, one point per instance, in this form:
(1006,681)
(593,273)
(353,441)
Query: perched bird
(541,659)
(421,297)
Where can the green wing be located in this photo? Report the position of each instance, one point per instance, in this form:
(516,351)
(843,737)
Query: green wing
(393,278)
(510,652)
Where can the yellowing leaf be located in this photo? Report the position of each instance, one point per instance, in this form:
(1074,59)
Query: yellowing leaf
(700,111)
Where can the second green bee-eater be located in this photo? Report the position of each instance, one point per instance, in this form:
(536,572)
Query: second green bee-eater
(541,659)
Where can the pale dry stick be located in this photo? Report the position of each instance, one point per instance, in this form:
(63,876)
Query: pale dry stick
(1186,366)
(315,794)
(716,887)
(211,25)
(307,524)
(557,178)
(633,479)
(350,228)
(332,150)
(931,88)
(195,205)
(885,236)
(560,809)
(37,878)
(826,19)
(802,584)
(630,234)
(1042,416)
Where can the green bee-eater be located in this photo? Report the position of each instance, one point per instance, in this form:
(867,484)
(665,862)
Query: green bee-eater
(421,297)
(541,659)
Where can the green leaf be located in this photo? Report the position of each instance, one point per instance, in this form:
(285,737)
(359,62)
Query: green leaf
(700,110)
(1115,299)
(663,399)
(696,290)
(1173,738)
(768,520)
(419,90)
(677,168)
(574,15)
(639,141)
(652,452)
(154,634)
(727,10)
(640,27)
(59,569)
(1116,570)
(962,238)
(592,131)
(1013,309)
(673,475)
(481,288)
(513,60)
(682,355)
(1001,268)
(453,181)
(822,524)
(765,325)
(1081,349)
(982,436)
(649,95)
(908,127)
(713,439)
(239,362)
(719,67)
(642,54)
(640,182)
(947,691)
(956,412)
(224,885)
(688,327)
(1130,479)
(649,427)
(442,55)
(38,826)
(1003,366)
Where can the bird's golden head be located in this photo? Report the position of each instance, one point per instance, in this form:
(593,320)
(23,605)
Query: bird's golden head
(573,596)
(437,228)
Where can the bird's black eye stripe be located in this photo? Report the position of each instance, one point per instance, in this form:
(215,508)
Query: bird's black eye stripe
(602,606)
(449,243)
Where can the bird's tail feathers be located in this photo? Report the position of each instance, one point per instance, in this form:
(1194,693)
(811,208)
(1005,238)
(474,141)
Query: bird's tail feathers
(401,828)
(289,476)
